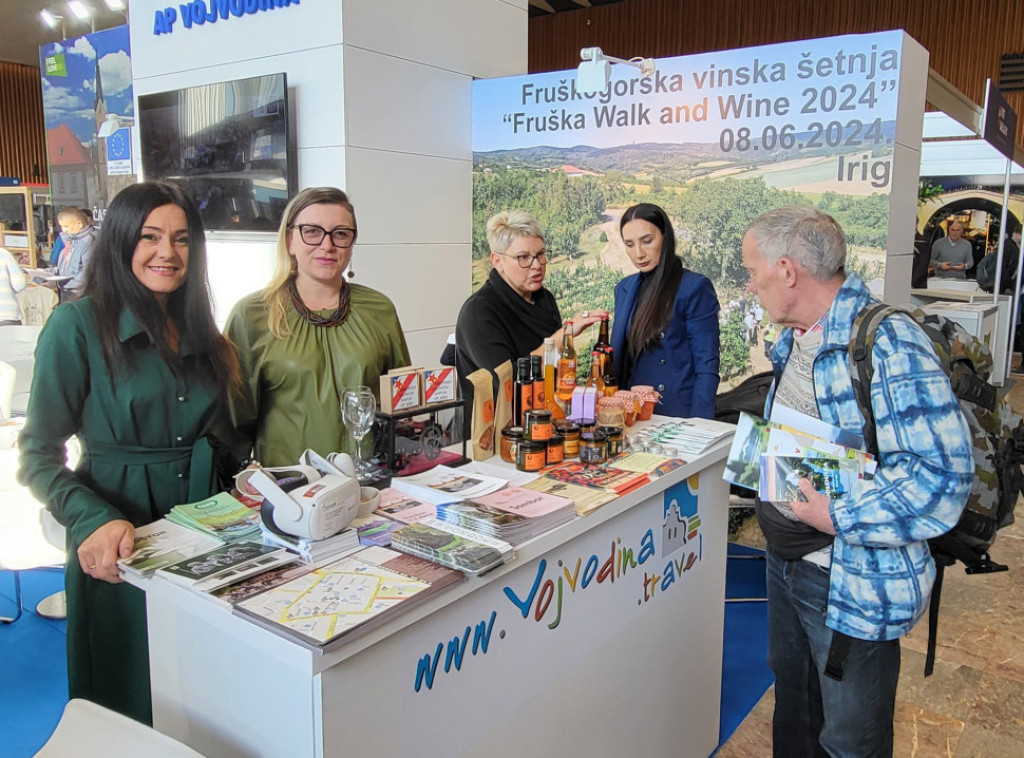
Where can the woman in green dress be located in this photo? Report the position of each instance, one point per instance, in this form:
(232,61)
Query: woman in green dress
(310,334)
(139,372)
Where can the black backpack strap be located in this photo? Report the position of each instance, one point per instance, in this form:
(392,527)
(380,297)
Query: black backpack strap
(862,367)
(933,618)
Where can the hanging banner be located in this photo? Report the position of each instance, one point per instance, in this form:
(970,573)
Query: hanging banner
(715,139)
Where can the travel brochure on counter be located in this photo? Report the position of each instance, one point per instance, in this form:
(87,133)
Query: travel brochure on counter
(425,533)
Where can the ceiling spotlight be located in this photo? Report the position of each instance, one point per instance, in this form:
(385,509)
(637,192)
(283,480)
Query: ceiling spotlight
(115,5)
(49,19)
(594,73)
(80,10)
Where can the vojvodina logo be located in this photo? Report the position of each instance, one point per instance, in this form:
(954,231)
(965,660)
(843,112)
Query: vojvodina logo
(202,12)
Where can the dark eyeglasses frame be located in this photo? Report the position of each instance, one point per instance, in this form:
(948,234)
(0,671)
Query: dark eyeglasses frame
(525,260)
(344,230)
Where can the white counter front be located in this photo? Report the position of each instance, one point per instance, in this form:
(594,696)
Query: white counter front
(602,638)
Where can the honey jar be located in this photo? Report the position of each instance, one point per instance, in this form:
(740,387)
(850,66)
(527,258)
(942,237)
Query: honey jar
(510,439)
(531,455)
(593,447)
(537,425)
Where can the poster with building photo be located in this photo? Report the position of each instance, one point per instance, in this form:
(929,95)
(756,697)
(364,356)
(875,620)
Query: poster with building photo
(715,139)
(88,106)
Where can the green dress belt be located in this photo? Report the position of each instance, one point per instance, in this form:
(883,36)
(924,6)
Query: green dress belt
(202,478)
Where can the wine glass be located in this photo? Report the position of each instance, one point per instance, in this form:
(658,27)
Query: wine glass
(357,407)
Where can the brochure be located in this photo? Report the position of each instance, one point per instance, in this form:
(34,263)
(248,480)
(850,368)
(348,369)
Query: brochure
(162,543)
(443,484)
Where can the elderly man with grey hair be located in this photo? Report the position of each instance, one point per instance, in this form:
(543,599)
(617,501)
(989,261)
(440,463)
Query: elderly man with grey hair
(848,577)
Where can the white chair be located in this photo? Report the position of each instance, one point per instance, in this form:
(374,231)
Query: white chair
(8,378)
(53,606)
(17,347)
(87,730)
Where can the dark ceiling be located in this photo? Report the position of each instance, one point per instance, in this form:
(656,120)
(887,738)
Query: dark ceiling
(547,7)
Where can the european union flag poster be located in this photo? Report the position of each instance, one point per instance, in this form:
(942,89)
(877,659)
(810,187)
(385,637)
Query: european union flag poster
(119,152)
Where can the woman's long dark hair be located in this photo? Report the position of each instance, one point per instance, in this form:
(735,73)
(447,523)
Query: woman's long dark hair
(113,287)
(652,313)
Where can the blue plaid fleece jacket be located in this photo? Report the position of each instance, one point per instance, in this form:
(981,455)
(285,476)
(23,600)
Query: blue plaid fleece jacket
(882,571)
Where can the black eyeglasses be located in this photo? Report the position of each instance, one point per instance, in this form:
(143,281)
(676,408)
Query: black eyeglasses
(312,234)
(525,260)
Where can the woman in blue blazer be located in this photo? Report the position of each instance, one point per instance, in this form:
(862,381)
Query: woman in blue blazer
(666,319)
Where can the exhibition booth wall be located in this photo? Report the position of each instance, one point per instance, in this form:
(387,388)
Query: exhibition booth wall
(380,106)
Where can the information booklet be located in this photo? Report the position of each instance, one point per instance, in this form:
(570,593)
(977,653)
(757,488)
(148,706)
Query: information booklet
(603,477)
(336,603)
(374,529)
(586,499)
(404,507)
(225,565)
(314,551)
(452,545)
(220,515)
(689,437)
(513,514)
(234,593)
(443,484)
(162,543)
(648,463)
(771,458)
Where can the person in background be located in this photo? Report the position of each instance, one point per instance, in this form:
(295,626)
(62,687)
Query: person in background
(952,255)
(512,313)
(12,281)
(846,578)
(79,240)
(139,372)
(310,334)
(666,319)
(58,245)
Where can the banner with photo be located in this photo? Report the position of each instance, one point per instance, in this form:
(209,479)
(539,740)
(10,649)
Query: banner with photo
(715,139)
(89,109)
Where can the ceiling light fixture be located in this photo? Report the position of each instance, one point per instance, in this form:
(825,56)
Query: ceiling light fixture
(115,5)
(80,10)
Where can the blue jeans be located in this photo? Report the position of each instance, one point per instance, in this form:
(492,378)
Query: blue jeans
(816,715)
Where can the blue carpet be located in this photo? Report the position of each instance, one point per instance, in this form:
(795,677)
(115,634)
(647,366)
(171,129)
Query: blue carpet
(34,685)
(33,665)
(745,673)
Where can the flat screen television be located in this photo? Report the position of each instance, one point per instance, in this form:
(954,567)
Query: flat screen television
(227,145)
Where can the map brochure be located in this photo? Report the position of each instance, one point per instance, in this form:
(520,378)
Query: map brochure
(220,515)
(443,484)
(162,543)
(648,463)
(404,507)
(335,603)
(586,499)
(452,545)
(225,565)
(231,594)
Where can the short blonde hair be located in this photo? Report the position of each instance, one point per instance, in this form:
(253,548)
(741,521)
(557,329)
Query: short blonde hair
(276,294)
(504,227)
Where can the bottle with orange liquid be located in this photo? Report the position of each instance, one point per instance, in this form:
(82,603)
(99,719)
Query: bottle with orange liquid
(565,381)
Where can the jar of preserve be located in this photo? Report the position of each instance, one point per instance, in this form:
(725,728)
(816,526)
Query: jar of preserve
(537,425)
(510,439)
(531,455)
(593,447)
(615,436)
(570,432)
(556,449)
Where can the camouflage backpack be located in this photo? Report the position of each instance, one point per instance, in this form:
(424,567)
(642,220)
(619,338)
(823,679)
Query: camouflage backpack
(998,437)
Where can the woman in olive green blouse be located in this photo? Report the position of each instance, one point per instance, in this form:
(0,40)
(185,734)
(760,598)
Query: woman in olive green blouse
(138,371)
(309,335)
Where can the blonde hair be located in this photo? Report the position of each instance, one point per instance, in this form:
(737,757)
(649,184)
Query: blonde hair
(504,227)
(276,294)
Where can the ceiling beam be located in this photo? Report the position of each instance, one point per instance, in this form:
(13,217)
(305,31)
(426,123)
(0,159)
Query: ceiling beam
(544,5)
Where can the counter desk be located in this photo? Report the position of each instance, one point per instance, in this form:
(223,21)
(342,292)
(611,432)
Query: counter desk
(602,638)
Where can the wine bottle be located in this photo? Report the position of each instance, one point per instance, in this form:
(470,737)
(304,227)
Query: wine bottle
(566,379)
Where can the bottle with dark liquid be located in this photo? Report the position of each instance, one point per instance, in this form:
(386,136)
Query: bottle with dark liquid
(602,336)
(537,374)
(565,382)
(608,375)
(522,390)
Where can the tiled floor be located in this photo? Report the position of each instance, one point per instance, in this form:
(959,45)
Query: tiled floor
(973,704)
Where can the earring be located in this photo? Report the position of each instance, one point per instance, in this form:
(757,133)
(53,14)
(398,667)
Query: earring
(351,273)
